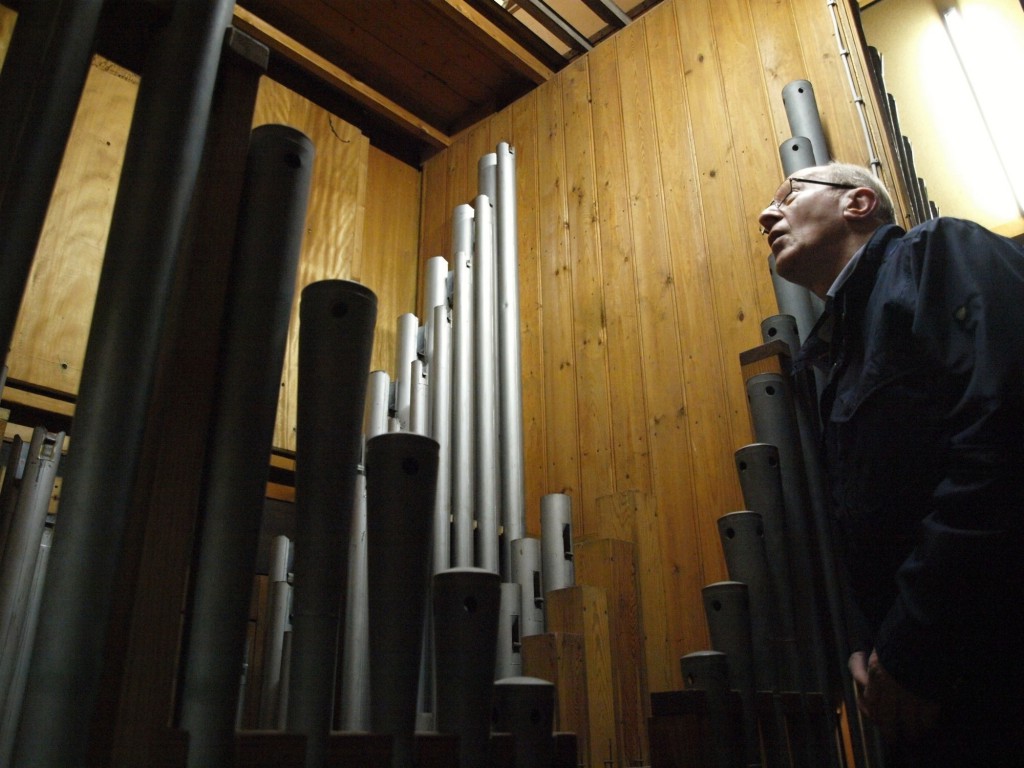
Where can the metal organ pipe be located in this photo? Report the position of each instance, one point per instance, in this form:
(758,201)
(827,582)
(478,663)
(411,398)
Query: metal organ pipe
(271,223)
(557,567)
(354,696)
(510,366)
(401,477)
(463,373)
(441,422)
(336,325)
(486,496)
(161,165)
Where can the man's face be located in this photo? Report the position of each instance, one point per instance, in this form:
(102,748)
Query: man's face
(802,223)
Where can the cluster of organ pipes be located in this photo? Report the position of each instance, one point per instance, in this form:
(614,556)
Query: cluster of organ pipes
(440,523)
(26,529)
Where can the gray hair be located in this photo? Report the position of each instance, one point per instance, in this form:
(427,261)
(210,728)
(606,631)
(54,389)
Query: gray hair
(858,176)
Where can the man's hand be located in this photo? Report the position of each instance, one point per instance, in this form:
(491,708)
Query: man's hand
(901,716)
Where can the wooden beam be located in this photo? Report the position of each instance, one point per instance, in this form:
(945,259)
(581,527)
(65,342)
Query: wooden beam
(495,39)
(319,67)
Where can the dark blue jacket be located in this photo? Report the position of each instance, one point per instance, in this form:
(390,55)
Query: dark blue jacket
(923,420)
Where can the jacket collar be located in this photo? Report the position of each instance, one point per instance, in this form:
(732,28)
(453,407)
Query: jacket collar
(846,306)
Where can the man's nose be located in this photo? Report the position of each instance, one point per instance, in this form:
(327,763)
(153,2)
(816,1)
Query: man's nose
(767,218)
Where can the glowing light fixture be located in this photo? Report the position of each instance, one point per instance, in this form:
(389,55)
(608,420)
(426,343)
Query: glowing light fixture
(982,73)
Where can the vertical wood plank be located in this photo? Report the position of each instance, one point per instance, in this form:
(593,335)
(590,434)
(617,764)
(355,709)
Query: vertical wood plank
(561,429)
(333,239)
(48,346)
(618,264)
(611,565)
(589,310)
(677,311)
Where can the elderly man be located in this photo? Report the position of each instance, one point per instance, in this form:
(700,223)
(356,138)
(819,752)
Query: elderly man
(922,342)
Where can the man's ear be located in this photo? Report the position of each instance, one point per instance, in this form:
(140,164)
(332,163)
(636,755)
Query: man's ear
(861,204)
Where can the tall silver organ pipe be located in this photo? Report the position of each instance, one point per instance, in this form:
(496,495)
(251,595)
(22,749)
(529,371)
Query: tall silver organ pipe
(405,355)
(510,367)
(463,438)
(354,697)
(485,343)
(441,431)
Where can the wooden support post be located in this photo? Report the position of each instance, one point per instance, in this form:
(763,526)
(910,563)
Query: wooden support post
(583,610)
(558,658)
(610,564)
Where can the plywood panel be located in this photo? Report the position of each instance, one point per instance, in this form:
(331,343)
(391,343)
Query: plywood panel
(387,261)
(333,239)
(48,348)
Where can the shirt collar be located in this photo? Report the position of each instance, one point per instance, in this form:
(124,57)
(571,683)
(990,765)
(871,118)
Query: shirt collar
(845,272)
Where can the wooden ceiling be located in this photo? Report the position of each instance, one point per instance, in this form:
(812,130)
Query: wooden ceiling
(412,73)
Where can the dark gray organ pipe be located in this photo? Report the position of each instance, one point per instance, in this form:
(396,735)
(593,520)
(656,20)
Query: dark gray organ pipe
(804,388)
(487,483)
(557,567)
(510,373)
(509,662)
(775,422)
(464,453)
(526,572)
(525,707)
(795,300)
(742,537)
(760,479)
(802,114)
(21,549)
(41,83)
(401,483)
(727,608)
(271,223)
(466,604)
(708,671)
(161,165)
(796,153)
(336,327)
(9,490)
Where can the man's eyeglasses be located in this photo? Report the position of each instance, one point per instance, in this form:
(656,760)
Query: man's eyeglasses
(778,202)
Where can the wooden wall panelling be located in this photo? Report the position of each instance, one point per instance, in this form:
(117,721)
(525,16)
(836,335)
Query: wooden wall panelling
(435,213)
(679,332)
(756,155)
(724,221)
(48,347)
(387,261)
(562,470)
(334,222)
(589,310)
(525,137)
(619,261)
